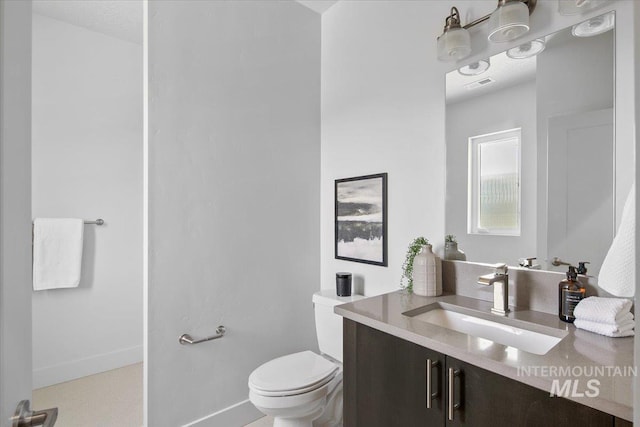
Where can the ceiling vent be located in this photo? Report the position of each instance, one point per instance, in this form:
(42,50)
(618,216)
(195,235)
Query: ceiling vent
(479,83)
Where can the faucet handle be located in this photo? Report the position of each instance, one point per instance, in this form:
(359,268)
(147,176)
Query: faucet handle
(501,269)
(527,262)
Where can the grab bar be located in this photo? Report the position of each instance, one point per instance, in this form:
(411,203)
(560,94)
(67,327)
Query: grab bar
(556,262)
(187,339)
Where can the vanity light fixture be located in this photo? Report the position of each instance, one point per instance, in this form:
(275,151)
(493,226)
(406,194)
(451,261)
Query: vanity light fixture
(574,7)
(454,43)
(527,50)
(475,68)
(509,21)
(594,26)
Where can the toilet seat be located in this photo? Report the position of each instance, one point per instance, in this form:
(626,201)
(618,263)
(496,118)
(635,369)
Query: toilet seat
(292,374)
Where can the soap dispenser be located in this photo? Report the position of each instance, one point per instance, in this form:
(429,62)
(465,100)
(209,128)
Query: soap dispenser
(582,268)
(570,293)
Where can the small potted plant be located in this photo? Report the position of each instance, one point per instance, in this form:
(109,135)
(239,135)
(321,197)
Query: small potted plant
(451,251)
(406,281)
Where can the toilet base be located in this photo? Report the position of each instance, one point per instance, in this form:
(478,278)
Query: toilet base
(306,421)
(329,415)
(325,411)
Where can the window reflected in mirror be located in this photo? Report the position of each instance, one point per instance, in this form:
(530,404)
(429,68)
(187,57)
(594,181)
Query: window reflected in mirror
(494,187)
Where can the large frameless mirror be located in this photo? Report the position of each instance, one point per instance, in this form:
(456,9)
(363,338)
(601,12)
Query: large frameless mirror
(531,151)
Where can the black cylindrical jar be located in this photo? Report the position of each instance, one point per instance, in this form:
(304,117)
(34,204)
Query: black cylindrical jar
(343,284)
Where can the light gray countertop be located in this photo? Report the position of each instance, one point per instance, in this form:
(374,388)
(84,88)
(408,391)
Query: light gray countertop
(584,352)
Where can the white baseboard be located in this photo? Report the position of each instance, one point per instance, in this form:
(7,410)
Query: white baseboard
(79,368)
(237,415)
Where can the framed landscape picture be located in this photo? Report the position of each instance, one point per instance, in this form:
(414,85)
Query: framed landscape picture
(361,219)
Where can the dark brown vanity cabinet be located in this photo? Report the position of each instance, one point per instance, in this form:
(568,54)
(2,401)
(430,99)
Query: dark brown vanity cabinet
(385,380)
(385,385)
(488,399)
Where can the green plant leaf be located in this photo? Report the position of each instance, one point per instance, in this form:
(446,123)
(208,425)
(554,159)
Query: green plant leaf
(407,266)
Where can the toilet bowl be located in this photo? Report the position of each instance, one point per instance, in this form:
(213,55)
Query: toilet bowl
(305,389)
(299,390)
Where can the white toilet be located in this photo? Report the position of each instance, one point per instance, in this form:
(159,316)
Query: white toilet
(305,389)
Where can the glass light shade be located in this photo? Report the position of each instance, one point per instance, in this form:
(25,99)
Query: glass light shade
(508,22)
(594,26)
(475,68)
(527,50)
(454,44)
(574,7)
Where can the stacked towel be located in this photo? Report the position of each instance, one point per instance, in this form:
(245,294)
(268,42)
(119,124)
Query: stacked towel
(605,316)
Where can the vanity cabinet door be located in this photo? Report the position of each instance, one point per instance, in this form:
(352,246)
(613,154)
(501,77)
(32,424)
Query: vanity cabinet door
(488,399)
(385,382)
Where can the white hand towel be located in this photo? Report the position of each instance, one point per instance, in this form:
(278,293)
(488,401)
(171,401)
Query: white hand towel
(602,310)
(617,275)
(57,252)
(610,330)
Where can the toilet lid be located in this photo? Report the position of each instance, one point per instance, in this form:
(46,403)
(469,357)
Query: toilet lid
(292,372)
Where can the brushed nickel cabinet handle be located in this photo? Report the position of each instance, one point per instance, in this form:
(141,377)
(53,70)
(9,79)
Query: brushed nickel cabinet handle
(430,395)
(453,373)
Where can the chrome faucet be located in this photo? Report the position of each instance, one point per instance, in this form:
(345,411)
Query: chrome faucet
(500,281)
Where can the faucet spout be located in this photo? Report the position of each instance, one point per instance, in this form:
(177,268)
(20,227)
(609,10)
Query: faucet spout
(500,281)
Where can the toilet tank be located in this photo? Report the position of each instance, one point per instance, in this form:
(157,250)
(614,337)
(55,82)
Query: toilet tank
(329,324)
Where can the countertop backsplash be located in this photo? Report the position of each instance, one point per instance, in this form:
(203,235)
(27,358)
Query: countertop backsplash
(528,289)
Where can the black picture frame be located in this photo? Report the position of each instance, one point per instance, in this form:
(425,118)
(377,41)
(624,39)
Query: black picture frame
(361,240)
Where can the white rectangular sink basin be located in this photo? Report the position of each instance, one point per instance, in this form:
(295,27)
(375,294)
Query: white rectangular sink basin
(500,332)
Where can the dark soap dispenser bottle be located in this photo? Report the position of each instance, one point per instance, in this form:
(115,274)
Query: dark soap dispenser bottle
(571,292)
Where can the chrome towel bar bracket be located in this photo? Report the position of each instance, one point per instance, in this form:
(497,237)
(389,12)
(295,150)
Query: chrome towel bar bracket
(187,339)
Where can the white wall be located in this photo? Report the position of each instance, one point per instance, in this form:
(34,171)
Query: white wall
(87,163)
(575,76)
(15,206)
(383,111)
(635,139)
(234,180)
(478,116)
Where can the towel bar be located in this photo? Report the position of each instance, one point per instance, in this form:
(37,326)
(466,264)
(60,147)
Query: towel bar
(98,221)
(187,339)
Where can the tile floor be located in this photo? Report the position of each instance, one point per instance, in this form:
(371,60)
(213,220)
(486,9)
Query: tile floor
(108,399)
(262,422)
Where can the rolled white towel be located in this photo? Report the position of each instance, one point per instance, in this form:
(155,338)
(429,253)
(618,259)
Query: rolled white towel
(602,310)
(618,272)
(611,330)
